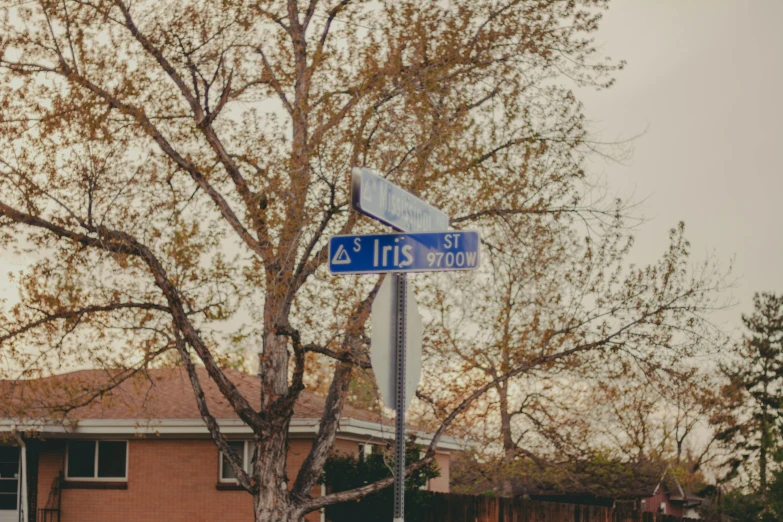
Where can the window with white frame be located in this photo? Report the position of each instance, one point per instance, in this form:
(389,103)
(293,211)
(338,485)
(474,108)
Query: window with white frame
(97,460)
(242,447)
(365,450)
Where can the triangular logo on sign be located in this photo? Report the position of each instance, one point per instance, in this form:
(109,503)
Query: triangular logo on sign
(341,257)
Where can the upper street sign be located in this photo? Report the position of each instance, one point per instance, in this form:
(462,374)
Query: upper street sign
(380,199)
(428,252)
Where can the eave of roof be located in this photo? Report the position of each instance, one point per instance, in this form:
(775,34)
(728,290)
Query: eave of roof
(179,428)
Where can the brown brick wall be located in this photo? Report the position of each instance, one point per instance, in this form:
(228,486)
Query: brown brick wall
(173,480)
(348,447)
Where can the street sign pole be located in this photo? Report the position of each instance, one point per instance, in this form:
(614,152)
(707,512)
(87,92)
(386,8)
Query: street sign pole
(426,245)
(399,430)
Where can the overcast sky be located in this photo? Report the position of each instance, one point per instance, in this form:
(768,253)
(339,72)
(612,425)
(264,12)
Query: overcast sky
(705,78)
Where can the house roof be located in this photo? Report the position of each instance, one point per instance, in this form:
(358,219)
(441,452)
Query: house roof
(161,402)
(672,486)
(163,393)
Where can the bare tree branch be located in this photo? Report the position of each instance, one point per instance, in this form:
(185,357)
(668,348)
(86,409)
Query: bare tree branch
(122,242)
(72,314)
(214,429)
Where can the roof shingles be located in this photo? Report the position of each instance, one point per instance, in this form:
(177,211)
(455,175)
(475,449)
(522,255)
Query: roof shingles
(164,393)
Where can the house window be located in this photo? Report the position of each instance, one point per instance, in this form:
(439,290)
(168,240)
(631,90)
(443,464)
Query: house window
(9,477)
(227,473)
(364,451)
(662,508)
(97,460)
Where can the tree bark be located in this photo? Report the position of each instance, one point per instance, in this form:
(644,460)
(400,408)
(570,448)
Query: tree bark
(765,442)
(273,362)
(509,449)
(272,501)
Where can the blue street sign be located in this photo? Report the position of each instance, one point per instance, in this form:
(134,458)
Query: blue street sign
(373,196)
(426,252)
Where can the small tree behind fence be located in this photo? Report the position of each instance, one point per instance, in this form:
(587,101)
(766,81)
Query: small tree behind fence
(467,508)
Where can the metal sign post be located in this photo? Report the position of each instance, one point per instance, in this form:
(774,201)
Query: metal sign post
(426,245)
(399,424)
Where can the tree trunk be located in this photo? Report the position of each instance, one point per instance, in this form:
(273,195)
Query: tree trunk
(273,362)
(272,503)
(509,449)
(765,442)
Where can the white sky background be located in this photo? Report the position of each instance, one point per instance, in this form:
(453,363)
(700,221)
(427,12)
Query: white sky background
(705,78)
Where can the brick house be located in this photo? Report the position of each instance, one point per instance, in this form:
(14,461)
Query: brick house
(142,452)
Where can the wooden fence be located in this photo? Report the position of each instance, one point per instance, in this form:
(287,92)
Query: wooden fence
(466,508)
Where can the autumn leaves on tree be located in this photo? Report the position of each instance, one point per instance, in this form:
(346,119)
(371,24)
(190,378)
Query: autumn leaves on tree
(175,168)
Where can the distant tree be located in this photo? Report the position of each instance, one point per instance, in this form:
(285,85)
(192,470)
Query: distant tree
(631,432)
(741,502)
(736,505)
(750,430)
(666,419)
(565,315)
(601,474)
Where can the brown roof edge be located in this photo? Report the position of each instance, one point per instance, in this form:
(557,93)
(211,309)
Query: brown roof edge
(153,394)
